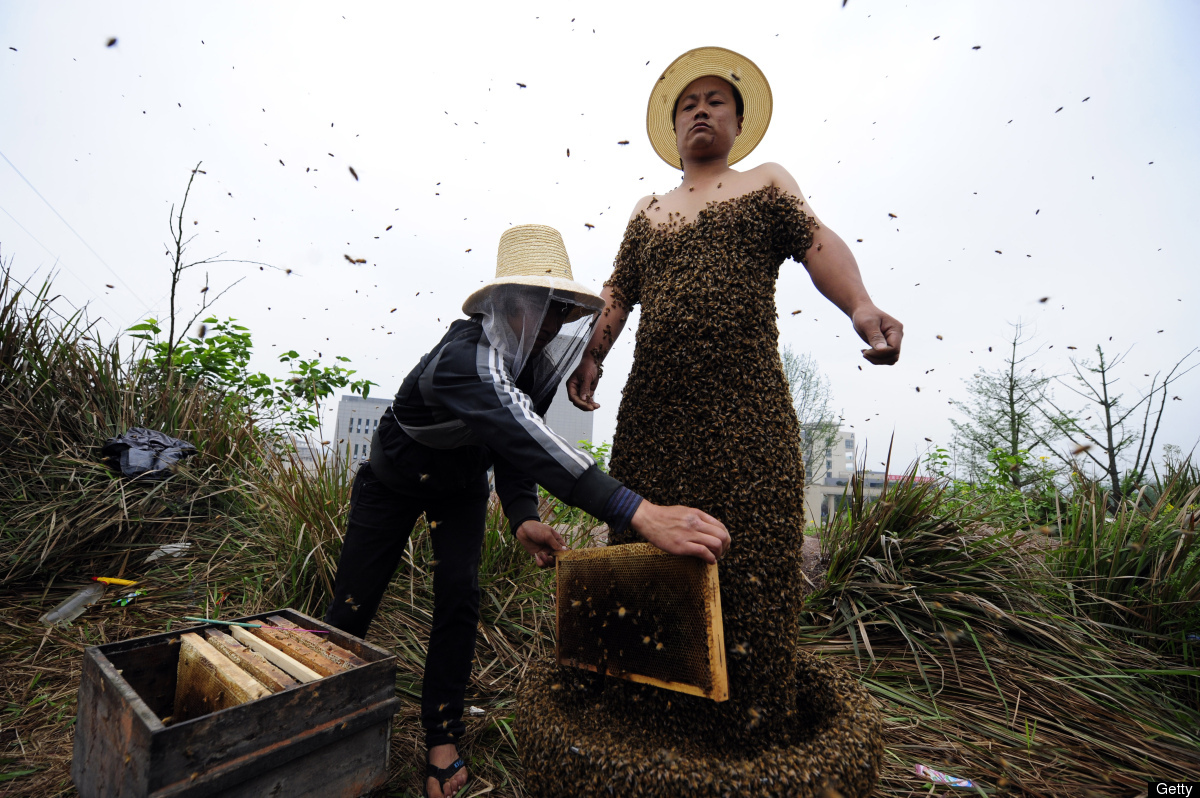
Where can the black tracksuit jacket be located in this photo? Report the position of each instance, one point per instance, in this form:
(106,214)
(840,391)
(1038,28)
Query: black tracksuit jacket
(460,412)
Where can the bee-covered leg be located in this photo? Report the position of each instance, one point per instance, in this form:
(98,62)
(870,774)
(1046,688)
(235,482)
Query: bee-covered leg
(377,531)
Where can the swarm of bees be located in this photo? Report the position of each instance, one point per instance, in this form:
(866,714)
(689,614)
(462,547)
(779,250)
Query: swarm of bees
(582,736)
(705,422)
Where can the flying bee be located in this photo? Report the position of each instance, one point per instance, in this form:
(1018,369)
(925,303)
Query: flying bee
(522,85)
(621,612)
(589,225)
(353,173)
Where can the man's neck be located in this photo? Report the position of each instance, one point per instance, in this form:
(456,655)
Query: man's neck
(705,172)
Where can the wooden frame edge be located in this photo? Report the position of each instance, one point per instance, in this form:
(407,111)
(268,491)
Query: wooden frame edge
(716,643)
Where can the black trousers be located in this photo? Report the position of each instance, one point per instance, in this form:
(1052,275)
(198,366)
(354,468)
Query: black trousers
(381,520)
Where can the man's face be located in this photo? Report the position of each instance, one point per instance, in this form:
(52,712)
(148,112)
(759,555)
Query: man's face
(706,117)
(556,314)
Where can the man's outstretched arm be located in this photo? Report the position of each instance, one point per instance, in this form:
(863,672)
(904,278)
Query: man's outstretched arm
(834,272)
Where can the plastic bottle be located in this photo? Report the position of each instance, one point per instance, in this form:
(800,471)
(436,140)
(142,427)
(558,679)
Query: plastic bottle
(74,606)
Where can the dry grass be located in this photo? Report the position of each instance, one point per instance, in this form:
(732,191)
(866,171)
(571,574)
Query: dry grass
(990,665)
(224,578)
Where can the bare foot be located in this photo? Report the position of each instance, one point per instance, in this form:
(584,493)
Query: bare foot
(443,756)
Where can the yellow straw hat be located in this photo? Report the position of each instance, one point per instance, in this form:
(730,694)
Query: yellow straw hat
(534,254)
(718,62)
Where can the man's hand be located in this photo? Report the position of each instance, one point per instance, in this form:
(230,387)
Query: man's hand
(881,331)
(541,540)
(682,530)
(581,387)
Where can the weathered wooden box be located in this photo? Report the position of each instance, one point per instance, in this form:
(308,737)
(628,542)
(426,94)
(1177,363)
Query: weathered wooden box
(326,738)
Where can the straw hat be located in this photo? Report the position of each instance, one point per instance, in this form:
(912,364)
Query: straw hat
(534,254)
(718,62)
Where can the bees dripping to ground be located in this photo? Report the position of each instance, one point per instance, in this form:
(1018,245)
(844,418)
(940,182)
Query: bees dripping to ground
(706,420)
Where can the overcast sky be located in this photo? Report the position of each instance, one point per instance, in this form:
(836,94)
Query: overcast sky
(880,108)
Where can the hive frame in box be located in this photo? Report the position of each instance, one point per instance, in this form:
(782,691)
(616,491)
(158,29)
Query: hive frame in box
(702,585)
(324,738)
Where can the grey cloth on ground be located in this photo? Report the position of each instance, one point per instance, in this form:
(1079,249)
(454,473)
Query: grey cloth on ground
(145,454)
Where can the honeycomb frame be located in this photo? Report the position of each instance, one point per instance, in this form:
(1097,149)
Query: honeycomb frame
(655,618)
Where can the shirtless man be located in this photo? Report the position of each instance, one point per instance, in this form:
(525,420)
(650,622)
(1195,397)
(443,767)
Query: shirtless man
(707,122)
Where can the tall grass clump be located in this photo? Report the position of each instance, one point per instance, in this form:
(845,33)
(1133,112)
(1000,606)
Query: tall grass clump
(63,392)
(1134,571)
(971,633)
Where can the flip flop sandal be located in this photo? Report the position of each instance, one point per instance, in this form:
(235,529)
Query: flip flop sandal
(443,775)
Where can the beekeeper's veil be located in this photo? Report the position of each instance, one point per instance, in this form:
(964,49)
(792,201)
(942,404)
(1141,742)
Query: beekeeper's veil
(534,313)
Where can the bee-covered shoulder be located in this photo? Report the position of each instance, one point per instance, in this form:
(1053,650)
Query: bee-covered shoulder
(775,175)
(642,204)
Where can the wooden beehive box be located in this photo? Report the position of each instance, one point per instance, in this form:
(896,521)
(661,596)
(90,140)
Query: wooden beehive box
(638,613)
(328,737)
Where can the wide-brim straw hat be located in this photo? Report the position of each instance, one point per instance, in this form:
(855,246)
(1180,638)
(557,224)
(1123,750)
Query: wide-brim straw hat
(742,74)
(534,254)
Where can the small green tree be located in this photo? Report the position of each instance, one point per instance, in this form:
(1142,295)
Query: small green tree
(1003,432)
(218,354)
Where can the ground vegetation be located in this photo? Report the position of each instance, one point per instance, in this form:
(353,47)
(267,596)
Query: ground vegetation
(1043,649)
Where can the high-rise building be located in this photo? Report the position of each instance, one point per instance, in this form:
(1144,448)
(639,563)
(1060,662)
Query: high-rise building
(357,420)
(824,488)
(568,420)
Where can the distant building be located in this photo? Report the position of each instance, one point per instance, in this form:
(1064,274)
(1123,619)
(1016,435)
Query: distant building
(568,420)
(358,418)
(307,454)
(824,489)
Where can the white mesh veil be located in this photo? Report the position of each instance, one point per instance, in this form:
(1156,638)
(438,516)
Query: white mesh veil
(535,349)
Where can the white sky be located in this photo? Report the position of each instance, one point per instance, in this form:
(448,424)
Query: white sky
(872,116)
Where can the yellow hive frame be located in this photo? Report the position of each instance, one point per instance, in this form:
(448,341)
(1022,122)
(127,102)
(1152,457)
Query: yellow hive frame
(703,577)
